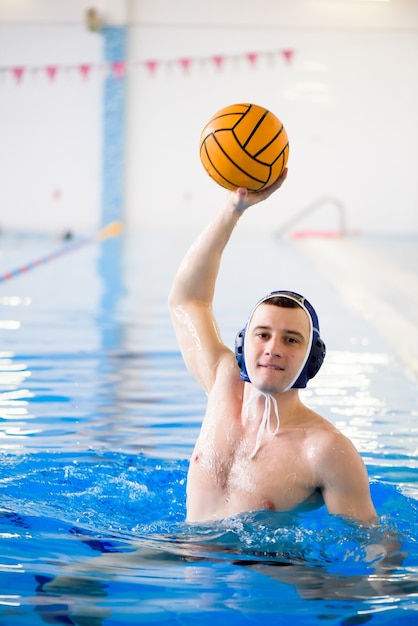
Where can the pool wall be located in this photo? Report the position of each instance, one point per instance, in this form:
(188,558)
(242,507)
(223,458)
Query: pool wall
(340,75)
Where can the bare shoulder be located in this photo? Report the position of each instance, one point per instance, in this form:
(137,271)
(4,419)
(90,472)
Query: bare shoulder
(338,470)
(338,462)
(318,427)
(332,447)
(334,439)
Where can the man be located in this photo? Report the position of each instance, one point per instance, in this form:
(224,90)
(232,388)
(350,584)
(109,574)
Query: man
(259,446)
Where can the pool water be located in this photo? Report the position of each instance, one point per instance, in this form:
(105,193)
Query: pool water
(99,417)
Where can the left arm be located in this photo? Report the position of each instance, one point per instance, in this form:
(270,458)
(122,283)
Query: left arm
(345,482)
(346,491)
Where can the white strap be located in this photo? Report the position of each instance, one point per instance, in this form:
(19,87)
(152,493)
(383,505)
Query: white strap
(251,405)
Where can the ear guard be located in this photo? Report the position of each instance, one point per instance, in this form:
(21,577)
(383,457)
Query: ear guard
(317,351)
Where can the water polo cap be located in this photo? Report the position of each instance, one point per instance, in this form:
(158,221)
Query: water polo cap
(315,353)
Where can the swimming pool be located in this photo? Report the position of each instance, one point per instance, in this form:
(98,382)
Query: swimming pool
(99,417)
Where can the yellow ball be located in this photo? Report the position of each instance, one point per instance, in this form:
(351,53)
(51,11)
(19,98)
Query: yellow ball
(244,145)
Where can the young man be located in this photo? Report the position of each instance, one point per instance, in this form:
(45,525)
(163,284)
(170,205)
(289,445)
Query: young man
(259,446)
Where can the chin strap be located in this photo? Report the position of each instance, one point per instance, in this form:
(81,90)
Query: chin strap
(251,413)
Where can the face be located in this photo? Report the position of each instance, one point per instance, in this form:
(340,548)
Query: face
(276,343)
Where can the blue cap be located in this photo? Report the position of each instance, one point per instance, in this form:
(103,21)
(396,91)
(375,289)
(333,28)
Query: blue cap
(315,353)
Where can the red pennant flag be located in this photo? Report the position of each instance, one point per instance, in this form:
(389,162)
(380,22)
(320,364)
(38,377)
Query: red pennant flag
(84,70)
(18,73)
(51,70)
(288,55)
(151,66)
(219,61)
(185,63)
(119,68)
(252,57)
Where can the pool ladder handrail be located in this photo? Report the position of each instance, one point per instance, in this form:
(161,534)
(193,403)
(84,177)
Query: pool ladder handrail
(314,206)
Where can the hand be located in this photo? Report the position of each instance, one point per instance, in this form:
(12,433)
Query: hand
(241,199)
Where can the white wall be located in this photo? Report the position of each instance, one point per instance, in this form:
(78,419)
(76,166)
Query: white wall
(348,99)
(50,130)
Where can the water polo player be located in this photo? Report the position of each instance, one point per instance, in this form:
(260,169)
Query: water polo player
(259,447)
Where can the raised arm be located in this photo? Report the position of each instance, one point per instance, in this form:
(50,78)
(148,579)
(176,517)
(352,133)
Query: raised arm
(346,489)
(192,292)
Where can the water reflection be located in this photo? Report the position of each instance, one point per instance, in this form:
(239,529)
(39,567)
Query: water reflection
(186,566)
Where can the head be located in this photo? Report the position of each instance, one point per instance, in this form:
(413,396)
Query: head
(302,319)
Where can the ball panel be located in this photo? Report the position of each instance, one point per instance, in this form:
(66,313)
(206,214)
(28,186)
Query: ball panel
(267,143)
(239,156)
(278,167)
(237,110)
(227,172)
(223,122)
(273,150)
(223,119)
(252,124)
(244,145)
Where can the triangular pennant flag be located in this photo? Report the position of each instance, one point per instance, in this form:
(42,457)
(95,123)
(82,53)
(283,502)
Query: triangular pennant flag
(51,70)
(84,70)
(151,66)
(119,68)
(185,64)
(252,57)
(288,55)
(18,73)
(218,61)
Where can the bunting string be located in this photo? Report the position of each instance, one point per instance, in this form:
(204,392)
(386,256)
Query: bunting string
(152,67)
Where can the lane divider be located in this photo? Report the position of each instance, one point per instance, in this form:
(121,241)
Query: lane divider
(111,230)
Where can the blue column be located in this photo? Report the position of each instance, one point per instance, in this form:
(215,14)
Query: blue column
(114,95)
(113,165)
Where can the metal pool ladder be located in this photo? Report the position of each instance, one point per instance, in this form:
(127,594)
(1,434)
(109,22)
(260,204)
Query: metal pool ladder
(311,208)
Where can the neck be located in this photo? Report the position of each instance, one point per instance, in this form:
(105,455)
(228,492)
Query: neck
(287,402)
(263,409)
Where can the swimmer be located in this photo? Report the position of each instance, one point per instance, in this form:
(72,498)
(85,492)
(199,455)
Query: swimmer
(259,446)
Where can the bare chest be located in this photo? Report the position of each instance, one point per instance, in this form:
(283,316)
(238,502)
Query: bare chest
(280,477)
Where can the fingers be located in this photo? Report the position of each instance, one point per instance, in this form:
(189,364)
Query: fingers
(241,198)
(265,193)
(252,197)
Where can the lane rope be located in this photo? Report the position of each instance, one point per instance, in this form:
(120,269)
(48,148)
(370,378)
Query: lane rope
(110,230)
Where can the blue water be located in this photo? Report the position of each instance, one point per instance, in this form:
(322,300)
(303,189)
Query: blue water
(98,419)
